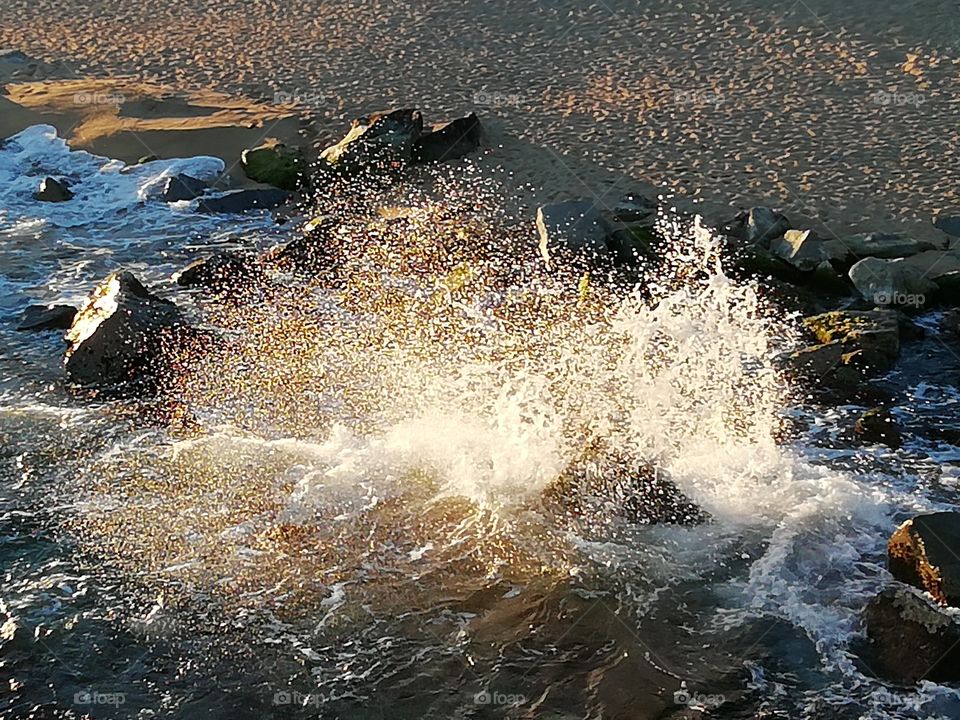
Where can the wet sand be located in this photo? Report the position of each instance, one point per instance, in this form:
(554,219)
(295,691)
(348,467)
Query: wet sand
(841,112)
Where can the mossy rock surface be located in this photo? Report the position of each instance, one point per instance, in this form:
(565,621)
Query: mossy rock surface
(274,164)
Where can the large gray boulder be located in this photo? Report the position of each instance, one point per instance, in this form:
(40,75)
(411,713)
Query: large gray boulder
(925,552)
(892,283)
(911,639)
(121,333)
(888,246)
(575,230)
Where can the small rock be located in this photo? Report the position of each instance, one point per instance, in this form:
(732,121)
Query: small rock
(47,317)
(239,201)
(892,283)
(911,639)
(448,140)
(877,425)
(800,248)
(53,190)
(950,224)
(764,225)
(925,552)
(221,273)
(573,229)
(147,159)
(120,333)
(274,163)
(829,364)
(183,187)
(380,142)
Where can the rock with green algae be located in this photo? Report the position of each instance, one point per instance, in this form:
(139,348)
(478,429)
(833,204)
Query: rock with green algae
(858,329)
(274,163)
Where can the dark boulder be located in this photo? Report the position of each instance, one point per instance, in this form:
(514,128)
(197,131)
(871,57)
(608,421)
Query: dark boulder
(47,317)
(54,190)
(575,230)
(274,163)
(925,552)
(950,224)
(222,273)
(910,638)
(878,425)
(760,225)
(121,333)
(183,187)
(448,140)
(604,483)
(240,201)
(380,143)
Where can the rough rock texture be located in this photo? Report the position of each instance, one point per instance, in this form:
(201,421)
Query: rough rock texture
(877,425)
(379,142)
(47,317)
(925,552)
(633,207)
(801,248)
(221,273)
(762,225)
(183,187)
(274,163)
(448,140)
(121,333)
(858,329)
(240,201)
(53,190)
(575,229)
(892,282)
(911,639)
(888,246)
(950,224)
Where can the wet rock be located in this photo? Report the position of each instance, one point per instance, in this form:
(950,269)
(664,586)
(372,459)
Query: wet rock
(910,638)
(222,273)
(47,317)
(573,230)
(892,283)
(604,482)
(381,142)
(825,279)
(121,333)
(762,225)
(183,187)
(634,207)
(314,251)
(950,224)
(829,364)
(147,159)
(448,140)
(878,425)
(877,330)
(240,201)
(274,163)
(925,552)
(802,249)
(850,249)
(53,190)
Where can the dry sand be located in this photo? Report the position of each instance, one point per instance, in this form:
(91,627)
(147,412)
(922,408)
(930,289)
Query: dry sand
(840,113)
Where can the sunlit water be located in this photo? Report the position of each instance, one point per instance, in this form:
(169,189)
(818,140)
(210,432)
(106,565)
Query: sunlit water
(345,517)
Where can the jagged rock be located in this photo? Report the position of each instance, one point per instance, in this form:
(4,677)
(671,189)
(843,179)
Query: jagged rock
(858,329)
(830,364)
(950,224)
(221,273)
(448,140)
(887,246)
(575,229)
(604,482)
(314,251)
(53,190)
(380,142)
(925,552)
(802,249)
(911,639)
(183,187)
(121,333)
(878,425)
(634,207)
(47,317)
(892,283)
(274,163)
(762,225)
(240,201)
